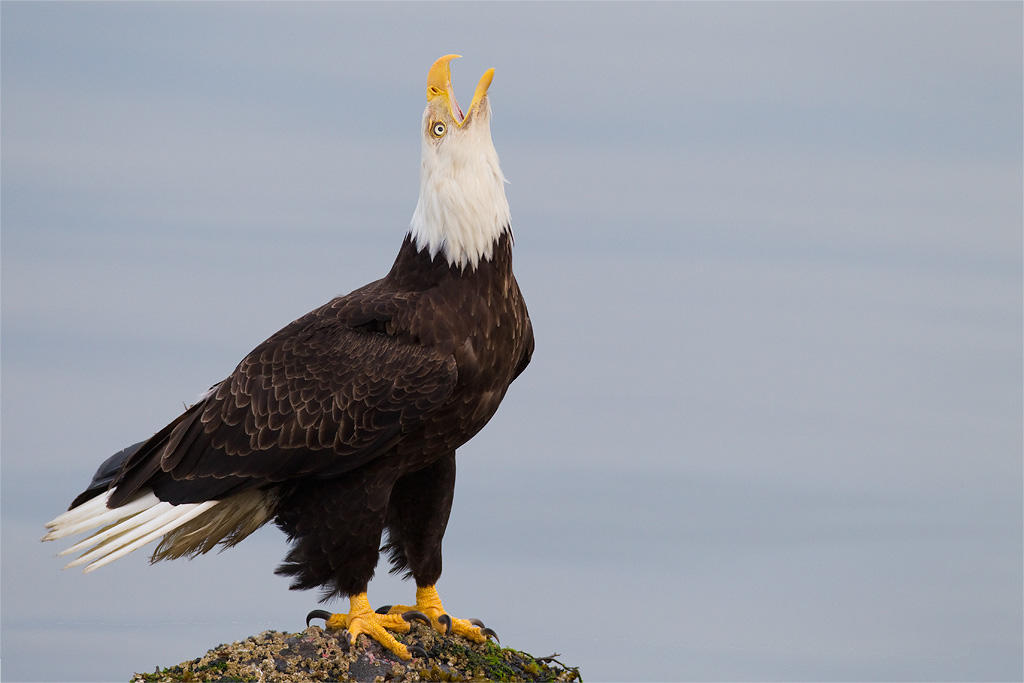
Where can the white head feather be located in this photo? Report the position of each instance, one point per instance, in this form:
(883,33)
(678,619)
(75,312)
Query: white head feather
(462,208)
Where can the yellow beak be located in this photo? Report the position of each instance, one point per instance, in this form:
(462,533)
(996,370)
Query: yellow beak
(439,84)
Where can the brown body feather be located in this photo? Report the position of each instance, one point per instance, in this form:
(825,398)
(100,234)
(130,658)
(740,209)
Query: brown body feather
(345,423)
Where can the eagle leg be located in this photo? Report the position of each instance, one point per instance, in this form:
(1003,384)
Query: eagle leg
(363,620)
(428,603)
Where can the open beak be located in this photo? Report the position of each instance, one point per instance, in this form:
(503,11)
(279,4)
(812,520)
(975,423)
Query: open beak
(439,84)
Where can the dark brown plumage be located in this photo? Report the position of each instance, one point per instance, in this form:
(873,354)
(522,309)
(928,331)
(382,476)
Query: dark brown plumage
(349,417)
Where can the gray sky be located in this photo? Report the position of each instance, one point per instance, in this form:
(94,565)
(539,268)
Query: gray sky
(772,252)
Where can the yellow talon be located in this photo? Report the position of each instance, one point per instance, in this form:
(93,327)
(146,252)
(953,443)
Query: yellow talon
(363,620)
(429,602)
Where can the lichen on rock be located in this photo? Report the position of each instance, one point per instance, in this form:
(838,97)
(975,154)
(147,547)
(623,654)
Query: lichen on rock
(319,655)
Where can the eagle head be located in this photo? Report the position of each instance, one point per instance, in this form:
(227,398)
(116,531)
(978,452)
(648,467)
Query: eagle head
(462,208)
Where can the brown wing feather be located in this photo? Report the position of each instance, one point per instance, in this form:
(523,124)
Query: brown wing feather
(322,396)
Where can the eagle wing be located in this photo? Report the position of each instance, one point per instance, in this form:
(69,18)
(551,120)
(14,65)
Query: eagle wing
(326,394)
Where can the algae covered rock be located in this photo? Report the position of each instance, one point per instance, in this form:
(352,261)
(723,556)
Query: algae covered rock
(318,655)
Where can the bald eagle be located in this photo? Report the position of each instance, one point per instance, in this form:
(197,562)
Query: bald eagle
(345,423)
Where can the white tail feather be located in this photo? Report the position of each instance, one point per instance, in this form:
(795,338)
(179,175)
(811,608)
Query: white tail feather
(129,527)
(82,511)
(98,517)
(170,523)
(134,525)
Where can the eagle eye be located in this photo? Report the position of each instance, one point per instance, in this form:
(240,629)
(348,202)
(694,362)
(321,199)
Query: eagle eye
(438,129)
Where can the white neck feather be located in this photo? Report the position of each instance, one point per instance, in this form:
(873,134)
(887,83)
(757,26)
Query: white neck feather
(462,209)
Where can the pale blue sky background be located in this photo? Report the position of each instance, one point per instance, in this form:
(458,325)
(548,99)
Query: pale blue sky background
(772,429)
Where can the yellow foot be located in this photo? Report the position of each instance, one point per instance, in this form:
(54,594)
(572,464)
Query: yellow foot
(428,603)
(363,620)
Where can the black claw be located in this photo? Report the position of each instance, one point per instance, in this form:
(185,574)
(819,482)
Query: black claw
(476,622)
(413,615)
(383,609)
(490,632)
(317,614)
(447,622)
(346,638)
(416,651)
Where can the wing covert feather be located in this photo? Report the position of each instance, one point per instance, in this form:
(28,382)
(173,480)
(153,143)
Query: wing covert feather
(319,397)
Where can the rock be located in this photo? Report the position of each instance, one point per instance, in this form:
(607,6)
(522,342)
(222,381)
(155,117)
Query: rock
(318,655)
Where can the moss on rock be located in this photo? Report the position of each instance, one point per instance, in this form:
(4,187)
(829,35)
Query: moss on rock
(318,655)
